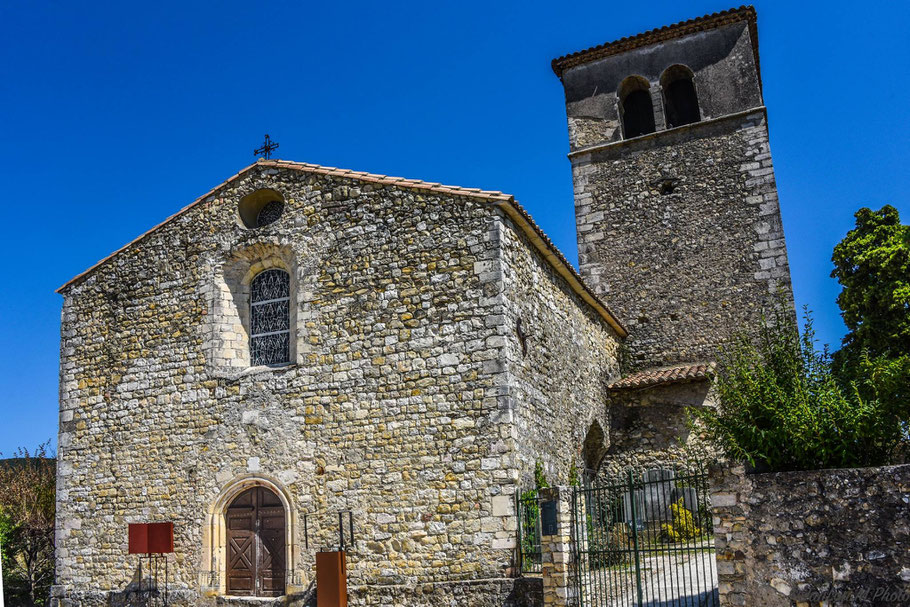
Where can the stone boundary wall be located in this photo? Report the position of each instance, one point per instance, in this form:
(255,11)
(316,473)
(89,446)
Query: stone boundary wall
(821,537)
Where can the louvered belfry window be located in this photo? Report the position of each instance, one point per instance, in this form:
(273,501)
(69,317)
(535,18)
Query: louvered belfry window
(270,335)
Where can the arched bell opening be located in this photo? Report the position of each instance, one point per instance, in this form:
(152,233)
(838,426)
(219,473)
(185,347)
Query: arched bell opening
(680,97)
(635,107)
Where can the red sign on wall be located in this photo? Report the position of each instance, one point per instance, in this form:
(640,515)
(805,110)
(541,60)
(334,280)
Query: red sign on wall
(151,538)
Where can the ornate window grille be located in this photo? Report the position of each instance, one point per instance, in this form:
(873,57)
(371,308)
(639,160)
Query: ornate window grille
(270,213)
(270,335)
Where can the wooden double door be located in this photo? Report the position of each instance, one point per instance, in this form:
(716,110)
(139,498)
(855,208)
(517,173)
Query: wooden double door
(255,544)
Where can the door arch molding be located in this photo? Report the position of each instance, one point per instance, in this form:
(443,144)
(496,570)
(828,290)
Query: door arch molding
(213,576)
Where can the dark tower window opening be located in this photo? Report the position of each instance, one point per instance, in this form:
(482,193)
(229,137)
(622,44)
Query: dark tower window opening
(680,98)
(635,107)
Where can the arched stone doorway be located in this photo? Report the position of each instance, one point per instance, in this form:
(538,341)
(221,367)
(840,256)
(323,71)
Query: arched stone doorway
(255,524)
(214,566)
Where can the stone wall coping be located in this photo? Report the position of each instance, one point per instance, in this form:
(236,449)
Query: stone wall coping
(821,471)
(550,493)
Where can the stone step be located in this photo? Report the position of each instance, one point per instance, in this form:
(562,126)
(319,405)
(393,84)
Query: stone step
(302,599)
(250,601)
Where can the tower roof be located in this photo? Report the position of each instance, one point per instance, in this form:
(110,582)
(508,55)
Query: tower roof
(662,34)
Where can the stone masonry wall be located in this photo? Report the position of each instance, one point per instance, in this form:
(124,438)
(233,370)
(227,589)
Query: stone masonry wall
(685,267)
(561,374)
(397,405)
(387,411)
(515,592)
(821,537)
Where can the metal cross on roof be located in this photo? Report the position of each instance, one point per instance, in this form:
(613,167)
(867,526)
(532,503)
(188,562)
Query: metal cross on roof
(266,150)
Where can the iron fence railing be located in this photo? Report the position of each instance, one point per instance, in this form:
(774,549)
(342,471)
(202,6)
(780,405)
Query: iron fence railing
(528,508)
(645,539)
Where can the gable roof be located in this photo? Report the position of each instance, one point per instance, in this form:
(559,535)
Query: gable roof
(506,202)
(662,34)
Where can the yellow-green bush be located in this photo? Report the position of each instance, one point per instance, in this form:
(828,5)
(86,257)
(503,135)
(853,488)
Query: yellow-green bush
(682,527)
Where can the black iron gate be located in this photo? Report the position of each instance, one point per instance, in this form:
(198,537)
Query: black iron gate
(645,539)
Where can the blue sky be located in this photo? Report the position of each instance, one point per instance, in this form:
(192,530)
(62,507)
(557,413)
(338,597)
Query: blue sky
(115,115)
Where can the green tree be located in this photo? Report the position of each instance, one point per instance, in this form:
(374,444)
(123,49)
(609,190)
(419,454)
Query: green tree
(27,507)
(872,264)
(781,407)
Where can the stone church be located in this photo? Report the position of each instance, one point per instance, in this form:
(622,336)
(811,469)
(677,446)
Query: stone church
(304,341)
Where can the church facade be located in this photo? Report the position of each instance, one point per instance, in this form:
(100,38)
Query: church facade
(304,341)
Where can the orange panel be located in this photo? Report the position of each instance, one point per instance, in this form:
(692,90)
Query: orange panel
(331,579)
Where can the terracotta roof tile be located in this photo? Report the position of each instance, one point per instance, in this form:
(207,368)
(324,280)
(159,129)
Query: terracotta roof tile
(667,375)
(662,34)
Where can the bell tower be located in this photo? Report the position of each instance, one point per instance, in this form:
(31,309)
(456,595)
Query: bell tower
(677,215)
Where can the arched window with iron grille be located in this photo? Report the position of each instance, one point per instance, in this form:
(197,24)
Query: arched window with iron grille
(270,335)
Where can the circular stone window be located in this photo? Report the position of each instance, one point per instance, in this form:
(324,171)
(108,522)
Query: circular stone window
(261,208)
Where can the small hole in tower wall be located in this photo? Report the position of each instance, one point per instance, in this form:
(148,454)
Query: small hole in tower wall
(667,186)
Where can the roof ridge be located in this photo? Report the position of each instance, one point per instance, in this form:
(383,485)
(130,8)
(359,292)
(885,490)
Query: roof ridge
(661,34)
(385,179)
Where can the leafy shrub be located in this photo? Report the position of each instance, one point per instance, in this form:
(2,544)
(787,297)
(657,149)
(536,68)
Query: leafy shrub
(540,479)
(530,530)
(781,407)
(529,519)
(682,527)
